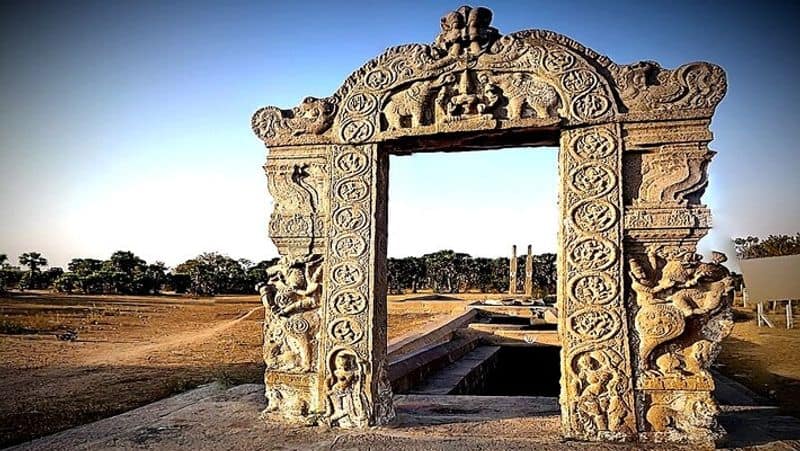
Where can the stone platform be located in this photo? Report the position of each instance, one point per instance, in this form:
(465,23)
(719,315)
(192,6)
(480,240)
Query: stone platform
(213,417)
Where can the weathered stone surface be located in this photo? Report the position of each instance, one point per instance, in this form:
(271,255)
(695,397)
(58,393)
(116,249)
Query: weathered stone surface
(214,418)
(640,318)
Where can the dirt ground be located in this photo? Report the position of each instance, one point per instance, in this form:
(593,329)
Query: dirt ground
(131,351)
(766,360)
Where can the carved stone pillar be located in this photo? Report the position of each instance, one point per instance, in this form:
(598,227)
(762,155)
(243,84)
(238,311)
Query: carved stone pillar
(529,273)
(325,325)
(355,288)
(298,180)
(679,306)
(512,272)
(597,400)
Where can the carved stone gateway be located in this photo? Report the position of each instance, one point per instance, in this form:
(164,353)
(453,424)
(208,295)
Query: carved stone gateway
(641,317)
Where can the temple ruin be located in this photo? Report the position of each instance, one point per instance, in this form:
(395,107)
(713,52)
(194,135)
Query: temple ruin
(640,316)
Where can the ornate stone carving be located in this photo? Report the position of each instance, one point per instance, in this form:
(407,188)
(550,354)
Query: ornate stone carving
(291,324)
(600,394)
(596,390)
(312,117)
(633,161)
(410,107)
(684,312)
(646,87)
(466,30)
(667,218)
(524,92)
(673,177)
(347,404)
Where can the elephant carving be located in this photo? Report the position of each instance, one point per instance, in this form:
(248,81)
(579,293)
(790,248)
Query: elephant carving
(521,89)
(407,108)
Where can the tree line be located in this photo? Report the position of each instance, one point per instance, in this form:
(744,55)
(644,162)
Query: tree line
(447,271)
(212,273)
(124,272)
(771,246)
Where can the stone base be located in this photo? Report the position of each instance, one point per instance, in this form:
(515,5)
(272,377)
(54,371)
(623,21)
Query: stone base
(213,417)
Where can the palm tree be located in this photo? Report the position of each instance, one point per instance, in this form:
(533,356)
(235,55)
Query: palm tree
(33,260)
(3,260)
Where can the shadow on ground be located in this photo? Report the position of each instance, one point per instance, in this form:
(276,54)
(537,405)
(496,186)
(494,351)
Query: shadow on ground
(49,405)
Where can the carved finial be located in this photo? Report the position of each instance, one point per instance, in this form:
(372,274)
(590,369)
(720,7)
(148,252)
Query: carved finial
(466,30)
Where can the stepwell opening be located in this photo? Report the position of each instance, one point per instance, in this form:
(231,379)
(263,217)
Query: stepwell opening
(477,206)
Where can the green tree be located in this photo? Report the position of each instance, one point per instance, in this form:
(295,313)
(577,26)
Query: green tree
(66,283)
(156,276)
(87,271)
(441,270)
(49,277)
(34,261)
(258,273)
(3,263)
(209,273)
(772,246)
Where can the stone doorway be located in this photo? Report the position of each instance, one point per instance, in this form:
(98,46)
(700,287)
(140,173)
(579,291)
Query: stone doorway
(640,316)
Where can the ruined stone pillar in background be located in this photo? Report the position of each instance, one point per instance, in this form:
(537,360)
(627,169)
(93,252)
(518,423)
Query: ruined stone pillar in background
(512,272)
(529,273)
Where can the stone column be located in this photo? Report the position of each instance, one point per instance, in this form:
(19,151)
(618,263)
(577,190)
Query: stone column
(680,306)
(325,324)
(512,272)
(597,398)
(529,274)
(298,179)
(355,388)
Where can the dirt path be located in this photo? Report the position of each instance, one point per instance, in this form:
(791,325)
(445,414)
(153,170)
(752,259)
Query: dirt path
(130,351)
(134,353)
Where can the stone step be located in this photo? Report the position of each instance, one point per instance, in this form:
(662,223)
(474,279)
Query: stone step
(462,376)
(409,370)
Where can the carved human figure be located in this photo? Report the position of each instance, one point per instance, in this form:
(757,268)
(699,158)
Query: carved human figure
(291,300)
(346,404)
(596,388)
(450,38)
(466,29)
(478,32)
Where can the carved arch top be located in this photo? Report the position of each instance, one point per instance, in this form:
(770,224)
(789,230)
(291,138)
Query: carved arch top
(472,78)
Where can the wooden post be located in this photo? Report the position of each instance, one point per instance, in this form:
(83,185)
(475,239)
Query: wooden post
(759,313)
(745,297)
(789,318)
(762,318)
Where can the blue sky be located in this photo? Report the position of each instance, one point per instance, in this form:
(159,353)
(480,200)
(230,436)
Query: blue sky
(125,125)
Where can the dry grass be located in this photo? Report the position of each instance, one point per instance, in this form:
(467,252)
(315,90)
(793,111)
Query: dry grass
(131,351)
(765,360)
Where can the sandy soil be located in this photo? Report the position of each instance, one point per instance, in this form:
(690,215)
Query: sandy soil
(764,359)
(131,351)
